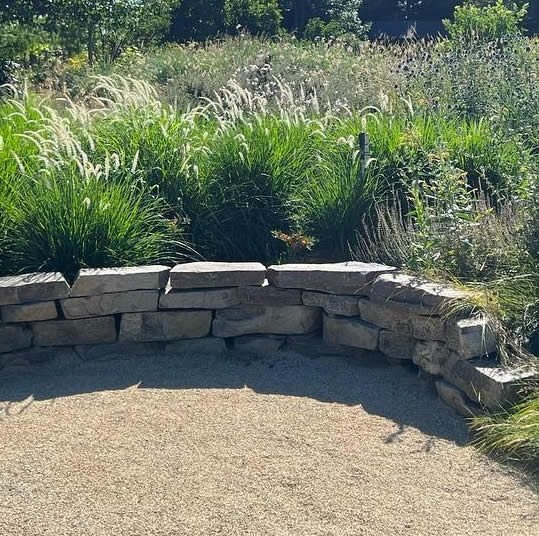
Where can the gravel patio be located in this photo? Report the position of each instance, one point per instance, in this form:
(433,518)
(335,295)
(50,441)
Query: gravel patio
(207,445)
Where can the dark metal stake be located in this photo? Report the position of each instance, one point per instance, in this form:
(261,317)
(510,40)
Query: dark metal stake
(364,152)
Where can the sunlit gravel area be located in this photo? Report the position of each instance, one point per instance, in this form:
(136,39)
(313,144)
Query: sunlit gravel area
(202,445)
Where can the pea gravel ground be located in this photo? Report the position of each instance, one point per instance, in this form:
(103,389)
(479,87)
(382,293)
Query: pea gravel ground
(200,445)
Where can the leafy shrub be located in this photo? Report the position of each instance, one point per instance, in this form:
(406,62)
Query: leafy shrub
(488,23)
(255,16)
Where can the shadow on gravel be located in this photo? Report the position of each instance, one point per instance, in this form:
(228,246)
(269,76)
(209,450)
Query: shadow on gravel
(393,392)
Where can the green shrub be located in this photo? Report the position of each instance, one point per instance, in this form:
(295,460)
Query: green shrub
(490,22)
(253,172)
(65,223)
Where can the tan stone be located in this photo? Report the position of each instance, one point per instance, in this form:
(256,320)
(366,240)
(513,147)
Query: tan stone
(396,345)
(73,332)
(35,287)
(252,319)
(217,274)
(29,312)
(386,316)
(408,289)
(331,303)
(454,398)
(484,381)
(269,295)
(352,278)
(350,331)
(431,356)
(14,337)
(471,337)
(94,281)
(164,325)
(218,298)
(109,304)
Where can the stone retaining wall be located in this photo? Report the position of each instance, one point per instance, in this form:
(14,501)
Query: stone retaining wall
(210,307)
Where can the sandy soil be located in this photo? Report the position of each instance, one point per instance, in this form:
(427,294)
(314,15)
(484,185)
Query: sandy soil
(194,445)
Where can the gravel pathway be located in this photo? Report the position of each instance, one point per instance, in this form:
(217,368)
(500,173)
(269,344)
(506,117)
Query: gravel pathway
(198,445)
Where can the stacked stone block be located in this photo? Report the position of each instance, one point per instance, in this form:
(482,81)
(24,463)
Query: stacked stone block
(340,309)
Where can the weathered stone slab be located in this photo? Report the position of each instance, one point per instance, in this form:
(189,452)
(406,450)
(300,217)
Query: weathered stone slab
(217,274)
(94,281)
(133,301)
(331,303)
(58,357)
(352,278)
(14,338)
(408,289)
(396,345)
(471,337)
(252,319)
(259,344)
(164,325)
(218,298)
(454,398)
(29,312)
(429,328)
(431,356)
(119,350)
(33,287)
(206,345)
(269,295)
(484,381)
(384,315)
(350,331)
(73,332)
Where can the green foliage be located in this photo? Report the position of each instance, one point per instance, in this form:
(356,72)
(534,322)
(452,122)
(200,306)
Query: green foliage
(513,433)
(490,22)
(255,16)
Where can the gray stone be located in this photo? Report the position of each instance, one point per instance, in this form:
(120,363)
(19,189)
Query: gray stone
(125,350)
(386,316)
(484,381)
(207,345)
(165,325)
(73,332)
(14,338)
(429,328)
(134,301)
(471,337)
(396,345)
(29,312)
(218,298)
(94,281)
(253,319)
(431,356)
(331,303)
(217,274)
(454,398)
(352,278)
(408,289)
(270,295)
(259,344)
(33,287)
(350,331)
(313,345)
